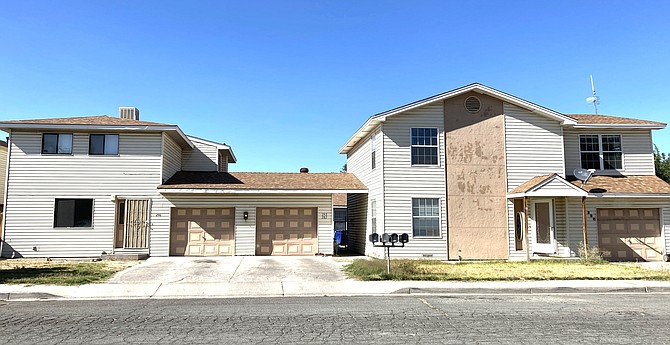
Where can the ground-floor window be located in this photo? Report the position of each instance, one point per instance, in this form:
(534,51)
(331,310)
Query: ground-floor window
(426,217)
(73,213)
(340,218)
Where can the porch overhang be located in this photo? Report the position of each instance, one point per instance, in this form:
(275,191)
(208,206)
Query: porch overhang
(547,186)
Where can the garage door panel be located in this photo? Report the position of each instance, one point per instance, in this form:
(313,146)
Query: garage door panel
(202,232)
(286,231)
(630,234)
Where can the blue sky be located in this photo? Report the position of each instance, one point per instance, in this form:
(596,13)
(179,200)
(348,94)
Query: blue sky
(287,83)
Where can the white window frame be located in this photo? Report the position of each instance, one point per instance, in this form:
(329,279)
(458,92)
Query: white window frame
(437,146)
(601,152)
(439,215)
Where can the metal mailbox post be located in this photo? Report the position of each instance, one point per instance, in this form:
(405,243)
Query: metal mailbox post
(389,241)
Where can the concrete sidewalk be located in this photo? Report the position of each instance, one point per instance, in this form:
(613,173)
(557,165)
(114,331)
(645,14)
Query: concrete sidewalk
(224,277)
(340,288)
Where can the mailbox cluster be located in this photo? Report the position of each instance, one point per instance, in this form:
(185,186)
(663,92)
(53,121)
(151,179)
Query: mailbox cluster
(389,240)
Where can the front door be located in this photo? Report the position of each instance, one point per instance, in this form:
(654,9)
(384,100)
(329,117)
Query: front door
(132,223)
(543,227)
(119,227)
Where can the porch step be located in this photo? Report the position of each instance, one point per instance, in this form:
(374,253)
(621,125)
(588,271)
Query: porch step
(125,256)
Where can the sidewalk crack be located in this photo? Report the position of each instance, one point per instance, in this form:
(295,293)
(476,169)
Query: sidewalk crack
(154,293)
(235,272)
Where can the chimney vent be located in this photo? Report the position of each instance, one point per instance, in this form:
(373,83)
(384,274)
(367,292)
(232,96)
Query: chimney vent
(304,170)
(131,113)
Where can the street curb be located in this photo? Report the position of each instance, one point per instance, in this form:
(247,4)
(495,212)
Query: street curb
(532,291)
(29,296)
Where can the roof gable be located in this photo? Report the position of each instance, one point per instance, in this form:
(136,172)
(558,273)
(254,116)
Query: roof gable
(375,120)
(219,146)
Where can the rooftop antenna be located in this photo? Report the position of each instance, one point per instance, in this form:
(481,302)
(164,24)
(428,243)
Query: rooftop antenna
(595,100)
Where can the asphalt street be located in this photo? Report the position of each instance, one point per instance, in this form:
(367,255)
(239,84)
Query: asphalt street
(394,319)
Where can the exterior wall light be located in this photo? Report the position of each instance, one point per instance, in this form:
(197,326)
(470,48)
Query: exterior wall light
(245,215)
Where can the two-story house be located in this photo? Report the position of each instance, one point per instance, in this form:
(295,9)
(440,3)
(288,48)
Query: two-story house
(476,173)
(96,185)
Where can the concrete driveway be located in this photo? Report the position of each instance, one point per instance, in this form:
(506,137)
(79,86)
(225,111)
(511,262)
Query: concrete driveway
(236,269)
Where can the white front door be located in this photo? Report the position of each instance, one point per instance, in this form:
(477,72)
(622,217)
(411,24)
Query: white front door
(544,232)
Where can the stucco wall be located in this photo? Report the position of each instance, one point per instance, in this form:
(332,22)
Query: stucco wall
(476,182)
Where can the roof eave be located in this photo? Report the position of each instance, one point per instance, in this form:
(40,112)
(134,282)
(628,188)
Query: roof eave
(368,127)
(618,126)
(629,195)
(256,191)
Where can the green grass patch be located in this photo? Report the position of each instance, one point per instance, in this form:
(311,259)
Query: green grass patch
(34,272)
(375,269)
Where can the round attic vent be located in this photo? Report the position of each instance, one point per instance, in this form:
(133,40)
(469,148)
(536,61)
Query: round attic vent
(473,104)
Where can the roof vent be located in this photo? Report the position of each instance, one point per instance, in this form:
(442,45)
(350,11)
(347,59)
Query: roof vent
(473,104)
(304,170)
(131,113)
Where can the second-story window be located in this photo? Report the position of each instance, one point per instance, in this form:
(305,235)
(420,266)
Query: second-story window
(373,151)
(601,151)
(57,143)
(424,146)
(103,144)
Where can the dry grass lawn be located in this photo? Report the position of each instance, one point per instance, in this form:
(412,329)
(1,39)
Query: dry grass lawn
(375,269)
(58,272)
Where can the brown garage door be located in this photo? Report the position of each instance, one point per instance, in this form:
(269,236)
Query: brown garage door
(202,231)
(630,234)
(286,231)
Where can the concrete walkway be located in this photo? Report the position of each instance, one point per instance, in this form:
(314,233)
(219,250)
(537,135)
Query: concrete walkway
(288,276)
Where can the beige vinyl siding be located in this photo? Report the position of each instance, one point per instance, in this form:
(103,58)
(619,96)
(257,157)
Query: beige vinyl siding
(533,147)
(245,231)
(637,147)
(171,157)
(203,157)
(402,181)
(574,210)
(3,174)
(36,180)
(223,163)
(359,163)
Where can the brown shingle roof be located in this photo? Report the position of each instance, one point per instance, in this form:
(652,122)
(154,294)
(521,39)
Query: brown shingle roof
(526,186)
(101,120)
(263,181)
(624,184)
(593,119)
